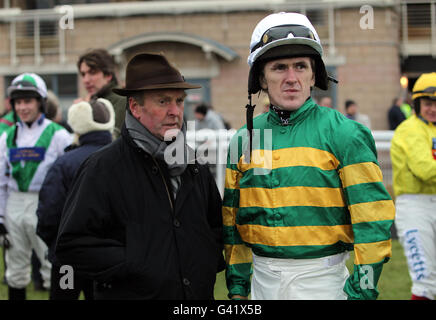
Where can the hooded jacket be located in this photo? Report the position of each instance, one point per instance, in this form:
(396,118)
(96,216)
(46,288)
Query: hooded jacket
(57,183)
(121,227)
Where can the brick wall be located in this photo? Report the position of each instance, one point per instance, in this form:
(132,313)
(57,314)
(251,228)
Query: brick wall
(228,89)
(370,75)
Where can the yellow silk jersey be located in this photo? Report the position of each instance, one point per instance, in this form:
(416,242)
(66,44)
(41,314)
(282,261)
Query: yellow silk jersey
(413,155)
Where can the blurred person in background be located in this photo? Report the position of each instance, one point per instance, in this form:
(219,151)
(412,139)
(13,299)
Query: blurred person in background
(54,111)
(93,124)
(352,112)
(413,154)
(206,118)
(7,119)
(406,106)
(27,150)
(326,101)
(97,71)
(395,115)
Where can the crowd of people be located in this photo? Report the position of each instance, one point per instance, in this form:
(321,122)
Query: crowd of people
(96,192)
(400,110)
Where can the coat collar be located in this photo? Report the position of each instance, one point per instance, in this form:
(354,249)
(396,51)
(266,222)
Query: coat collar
(187,176)
(295,116)
(105,91)
(96,137)
(425,121)
(37,122)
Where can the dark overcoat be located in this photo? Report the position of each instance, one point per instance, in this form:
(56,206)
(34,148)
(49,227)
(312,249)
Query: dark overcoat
(122,228)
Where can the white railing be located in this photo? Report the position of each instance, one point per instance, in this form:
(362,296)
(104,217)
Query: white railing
(38,33)
(418,27)
(383,139)
(34,33)
(216,143)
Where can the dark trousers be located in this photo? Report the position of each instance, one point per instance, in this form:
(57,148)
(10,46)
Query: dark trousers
(80,284)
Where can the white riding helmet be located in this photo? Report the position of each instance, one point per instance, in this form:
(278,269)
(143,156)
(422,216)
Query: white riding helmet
(284,35)
(27,83)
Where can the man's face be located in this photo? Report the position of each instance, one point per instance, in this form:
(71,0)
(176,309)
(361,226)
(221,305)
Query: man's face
(352,109)
(27,109)
(93,80)
(428,109)
(161,110)
(288,82)
(326,102)
(199,116)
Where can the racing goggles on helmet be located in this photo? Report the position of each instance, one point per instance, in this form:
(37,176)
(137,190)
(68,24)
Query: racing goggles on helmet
(429,92)
(23,88)
(284,32)
(24,84)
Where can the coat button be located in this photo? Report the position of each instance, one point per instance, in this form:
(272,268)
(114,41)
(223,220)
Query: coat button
(186,282)
(154,170)
(176,223)
(196,170)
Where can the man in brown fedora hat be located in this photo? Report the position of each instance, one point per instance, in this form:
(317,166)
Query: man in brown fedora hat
(140,227)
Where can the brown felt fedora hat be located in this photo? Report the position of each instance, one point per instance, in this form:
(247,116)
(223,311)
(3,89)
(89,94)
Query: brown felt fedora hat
(148,71)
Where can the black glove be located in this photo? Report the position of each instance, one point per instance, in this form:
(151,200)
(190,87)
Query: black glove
(3,229)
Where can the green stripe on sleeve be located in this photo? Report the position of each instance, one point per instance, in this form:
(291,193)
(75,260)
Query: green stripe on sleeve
(231,198)
(375,231)
(366,192)
(231,235)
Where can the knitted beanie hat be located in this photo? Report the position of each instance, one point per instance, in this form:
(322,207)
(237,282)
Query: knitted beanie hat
(84,117)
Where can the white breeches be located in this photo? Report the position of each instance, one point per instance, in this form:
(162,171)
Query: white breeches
(21,221)
(299,279)
(416,227)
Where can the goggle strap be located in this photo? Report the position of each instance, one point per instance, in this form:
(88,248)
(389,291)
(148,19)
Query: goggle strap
(332,79)
(250,112)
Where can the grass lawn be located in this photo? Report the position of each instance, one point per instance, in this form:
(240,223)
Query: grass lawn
(394,282)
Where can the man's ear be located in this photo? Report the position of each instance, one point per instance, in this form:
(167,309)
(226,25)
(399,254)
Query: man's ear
(262,82)
(134,107)
(108,77)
